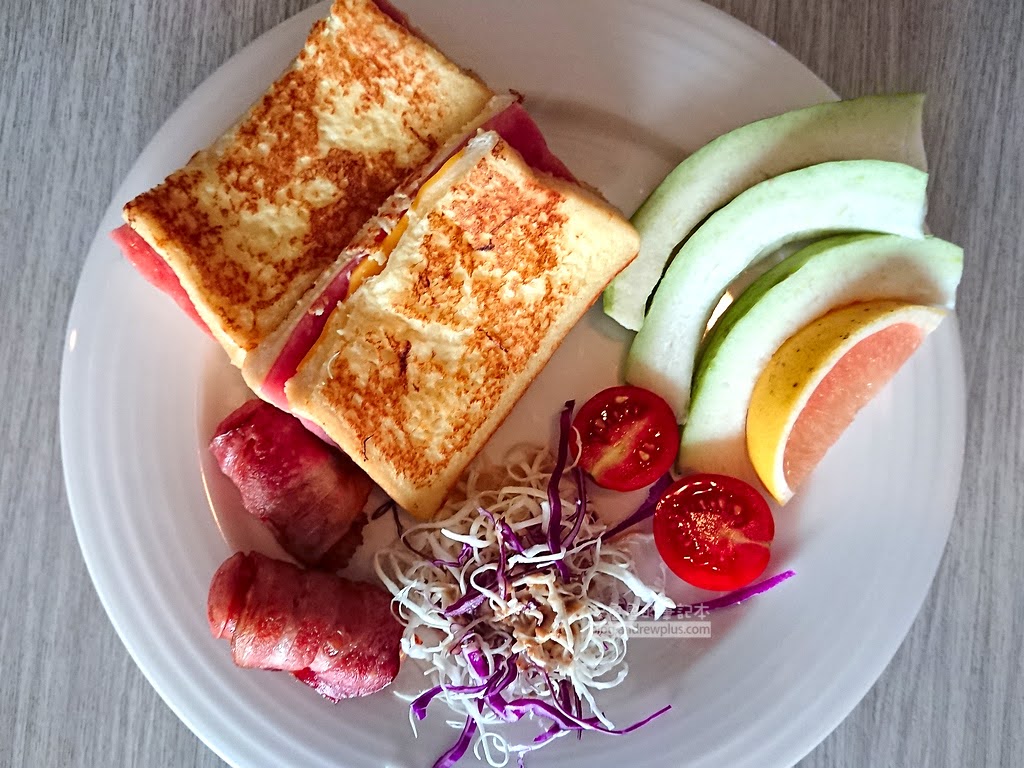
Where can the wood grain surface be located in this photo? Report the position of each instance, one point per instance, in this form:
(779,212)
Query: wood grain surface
(86,85)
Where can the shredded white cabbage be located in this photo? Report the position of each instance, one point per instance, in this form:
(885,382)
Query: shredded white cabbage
(571,632)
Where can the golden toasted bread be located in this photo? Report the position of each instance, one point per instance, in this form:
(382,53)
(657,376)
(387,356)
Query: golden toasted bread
(419,367)
(326,291)
(250,222)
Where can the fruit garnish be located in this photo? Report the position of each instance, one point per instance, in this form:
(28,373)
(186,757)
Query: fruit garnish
(820,378)
(628,437)
(883,127)
(714,531)
(851,195)
(826,275)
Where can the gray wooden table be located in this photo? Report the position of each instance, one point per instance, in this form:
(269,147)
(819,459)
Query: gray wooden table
(83,87)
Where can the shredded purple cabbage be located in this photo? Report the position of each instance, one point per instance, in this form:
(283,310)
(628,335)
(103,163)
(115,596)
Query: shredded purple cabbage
(502,568)
(467,550)
(504,531)
(562,694)
(477,663)
(737,596)
(518,708)
(511,671)
(565,710)
(499,681)
(468,603)
(554,494)
(458,749)
(581,507)
(646,509)
(570,702)
(549,734)
(577,710)
(492,694)
(420,703)
(514,542)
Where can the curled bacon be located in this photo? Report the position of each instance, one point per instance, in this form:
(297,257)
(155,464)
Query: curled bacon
(336,636)
(309,494)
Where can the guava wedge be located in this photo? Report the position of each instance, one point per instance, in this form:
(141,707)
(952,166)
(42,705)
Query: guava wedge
(824,199)
(886,127)
(826,275)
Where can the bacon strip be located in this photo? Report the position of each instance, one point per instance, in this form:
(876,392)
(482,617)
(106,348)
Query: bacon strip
(336,636)
(309,494)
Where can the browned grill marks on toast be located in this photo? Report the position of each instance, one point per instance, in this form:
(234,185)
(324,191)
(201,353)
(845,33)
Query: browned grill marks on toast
(417,369)
(252,220)
(493,234)
(519,222)
(332,226)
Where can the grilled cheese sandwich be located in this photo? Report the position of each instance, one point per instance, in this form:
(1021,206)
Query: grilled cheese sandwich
(250,222)
(416,370)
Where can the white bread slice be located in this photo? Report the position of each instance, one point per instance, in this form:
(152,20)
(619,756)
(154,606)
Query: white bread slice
(419,367)
(251,222)
(261,360)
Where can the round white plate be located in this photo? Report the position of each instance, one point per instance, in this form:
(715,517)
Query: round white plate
(623,91)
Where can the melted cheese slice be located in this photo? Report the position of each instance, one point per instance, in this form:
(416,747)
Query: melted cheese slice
(428,194)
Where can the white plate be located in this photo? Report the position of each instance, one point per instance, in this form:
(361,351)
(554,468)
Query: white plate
(623,90)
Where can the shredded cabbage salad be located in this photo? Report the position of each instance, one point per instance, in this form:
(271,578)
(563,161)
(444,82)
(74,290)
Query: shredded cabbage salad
(520,612)
(518,607)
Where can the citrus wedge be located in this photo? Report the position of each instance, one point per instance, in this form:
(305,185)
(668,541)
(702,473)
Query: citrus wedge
(820,378)
(827,275)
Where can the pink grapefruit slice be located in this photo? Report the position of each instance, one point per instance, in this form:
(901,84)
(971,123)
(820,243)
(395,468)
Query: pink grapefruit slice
(819,379)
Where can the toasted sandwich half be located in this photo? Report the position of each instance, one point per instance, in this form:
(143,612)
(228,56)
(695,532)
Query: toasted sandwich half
(243,230)
(493,265)
(270,365)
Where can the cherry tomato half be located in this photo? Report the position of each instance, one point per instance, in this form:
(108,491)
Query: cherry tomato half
(714,531)
(628,437)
